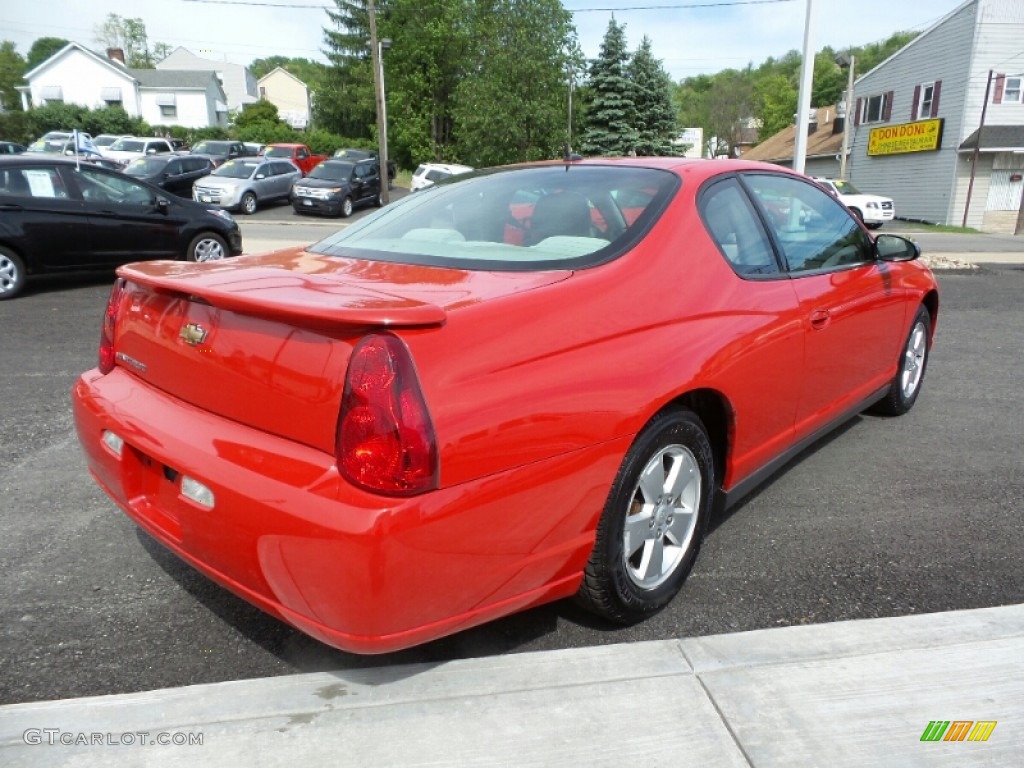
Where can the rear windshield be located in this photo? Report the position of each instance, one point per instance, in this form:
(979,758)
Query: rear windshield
(527,218)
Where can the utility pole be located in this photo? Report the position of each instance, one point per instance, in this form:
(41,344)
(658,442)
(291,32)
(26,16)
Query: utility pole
(378,89)
(977,148)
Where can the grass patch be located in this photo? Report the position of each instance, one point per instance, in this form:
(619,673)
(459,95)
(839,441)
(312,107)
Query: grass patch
(920,226)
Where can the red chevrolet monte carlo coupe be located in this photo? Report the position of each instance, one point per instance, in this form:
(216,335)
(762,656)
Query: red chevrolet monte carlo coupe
(533,383)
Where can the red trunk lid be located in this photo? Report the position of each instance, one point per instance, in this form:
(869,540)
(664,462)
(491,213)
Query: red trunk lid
(265,341)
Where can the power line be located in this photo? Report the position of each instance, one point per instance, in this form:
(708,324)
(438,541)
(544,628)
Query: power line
(667,7)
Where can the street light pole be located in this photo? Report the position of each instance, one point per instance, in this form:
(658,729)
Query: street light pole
(849,119)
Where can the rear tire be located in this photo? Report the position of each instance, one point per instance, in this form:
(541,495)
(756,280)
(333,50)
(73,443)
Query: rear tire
(906,386)
(653,522)
(248,204)
(12,274)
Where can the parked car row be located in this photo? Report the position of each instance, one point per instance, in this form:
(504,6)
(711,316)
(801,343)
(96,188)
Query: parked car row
(59,216)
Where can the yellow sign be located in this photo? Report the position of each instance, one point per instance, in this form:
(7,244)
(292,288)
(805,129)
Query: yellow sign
(922,136)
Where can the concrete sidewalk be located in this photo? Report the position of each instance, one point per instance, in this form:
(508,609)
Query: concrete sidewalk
(858,693)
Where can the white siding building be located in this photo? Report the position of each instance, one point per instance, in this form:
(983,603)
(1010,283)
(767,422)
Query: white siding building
(289,94)
(78,75)
(917,115)
(238,82)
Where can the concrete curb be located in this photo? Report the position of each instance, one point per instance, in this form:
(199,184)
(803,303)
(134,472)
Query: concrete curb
(850,693)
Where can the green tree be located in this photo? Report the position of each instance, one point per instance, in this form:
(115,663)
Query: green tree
(345,100)
(12,67)
(429,57)
(261,112)
(130,36)
(775,98)
(42,49)
(611,119)
(514,106)
(656,120)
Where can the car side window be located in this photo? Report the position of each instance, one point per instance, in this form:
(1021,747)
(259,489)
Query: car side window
(173,168)
(32,182)
(112,188)
(813,230)
(734,226)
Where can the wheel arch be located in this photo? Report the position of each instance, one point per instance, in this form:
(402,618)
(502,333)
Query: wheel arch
(931,303)
(26,262)
(716,414)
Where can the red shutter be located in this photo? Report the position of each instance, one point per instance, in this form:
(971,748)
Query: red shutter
(888,106)
(913,107)
(935,97)
(856,114)
(997,97)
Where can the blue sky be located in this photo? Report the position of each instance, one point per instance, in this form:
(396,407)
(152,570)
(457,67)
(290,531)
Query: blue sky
(696,36)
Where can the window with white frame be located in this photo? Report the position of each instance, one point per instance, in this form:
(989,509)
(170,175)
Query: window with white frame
(1012,89)
(874,109)
(926,99)
(168,110)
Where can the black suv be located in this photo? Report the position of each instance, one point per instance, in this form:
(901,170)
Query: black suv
(60,216)
(336,187)
(175,173)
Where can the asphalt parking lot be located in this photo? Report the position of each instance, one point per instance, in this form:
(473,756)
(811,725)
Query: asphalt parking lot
(887,517)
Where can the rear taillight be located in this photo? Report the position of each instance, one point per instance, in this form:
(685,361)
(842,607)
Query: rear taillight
(107,354)
(386,442)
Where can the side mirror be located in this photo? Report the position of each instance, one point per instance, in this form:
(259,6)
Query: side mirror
(896,248)
(261,176)
(163,204)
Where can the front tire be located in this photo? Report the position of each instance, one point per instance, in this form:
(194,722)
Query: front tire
(207,246)
(248,204)
(653,522)
(346,207)
(12,274)
(906,386)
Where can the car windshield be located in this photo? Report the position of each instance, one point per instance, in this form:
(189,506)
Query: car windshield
(332,172)
(128,145)
(237,169)
(846,188)
(352,154)
(145,166)
(212,148)
(527,218)
(285,152)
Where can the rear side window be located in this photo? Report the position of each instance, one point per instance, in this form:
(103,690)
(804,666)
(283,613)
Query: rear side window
(734,226)
(32,182)
(528,218)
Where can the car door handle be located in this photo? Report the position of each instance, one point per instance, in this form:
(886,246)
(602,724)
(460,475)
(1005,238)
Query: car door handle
(820,318)
(11,207)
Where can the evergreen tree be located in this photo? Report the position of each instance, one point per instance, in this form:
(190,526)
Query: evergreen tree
(611,120)
(345,102)
(655,114)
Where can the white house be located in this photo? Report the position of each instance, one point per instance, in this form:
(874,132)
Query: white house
(238,82)
(78,75)
(918,113)
(289,94)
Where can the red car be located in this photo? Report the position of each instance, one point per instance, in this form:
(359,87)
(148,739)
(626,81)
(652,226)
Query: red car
(446,413)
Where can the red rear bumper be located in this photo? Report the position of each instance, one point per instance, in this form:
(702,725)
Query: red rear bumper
(361,572)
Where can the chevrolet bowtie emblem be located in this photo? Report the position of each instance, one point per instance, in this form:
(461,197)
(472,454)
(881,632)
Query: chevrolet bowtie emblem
(192,333)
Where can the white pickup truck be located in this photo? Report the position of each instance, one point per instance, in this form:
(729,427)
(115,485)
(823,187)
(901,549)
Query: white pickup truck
(873,210)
